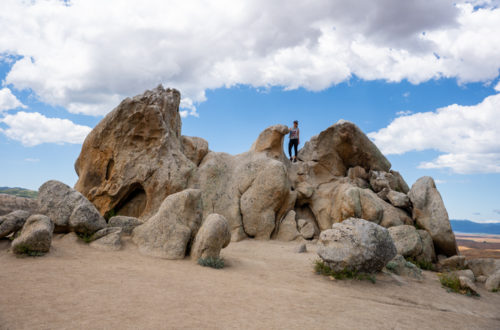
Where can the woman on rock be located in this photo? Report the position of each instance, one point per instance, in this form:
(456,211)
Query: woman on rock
(294,140)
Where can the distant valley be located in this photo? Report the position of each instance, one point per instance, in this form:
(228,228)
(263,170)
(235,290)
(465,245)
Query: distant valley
(467,226)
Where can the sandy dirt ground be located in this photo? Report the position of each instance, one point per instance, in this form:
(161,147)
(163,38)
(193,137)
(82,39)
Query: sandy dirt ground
(479,246)
(265,285)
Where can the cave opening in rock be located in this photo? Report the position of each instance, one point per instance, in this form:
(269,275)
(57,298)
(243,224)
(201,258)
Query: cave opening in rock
(133,203)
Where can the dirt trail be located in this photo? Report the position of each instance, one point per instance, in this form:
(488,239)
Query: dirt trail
(265,285)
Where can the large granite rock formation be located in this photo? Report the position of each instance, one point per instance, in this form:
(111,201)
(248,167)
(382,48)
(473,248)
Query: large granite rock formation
(133,159)
(136,157)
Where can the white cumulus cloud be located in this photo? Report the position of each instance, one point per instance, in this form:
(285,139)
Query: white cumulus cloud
(33,128)
(86,55)
(468,136)
(8,100)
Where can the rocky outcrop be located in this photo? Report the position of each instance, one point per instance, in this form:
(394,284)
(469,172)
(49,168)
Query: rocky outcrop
(251,190)
(10,203)
(213,236)
(429,213)
(357,245)
(35,237)
(12,222)
(169,233)
(399,266)
(136,157)
(68,209)
(133,159)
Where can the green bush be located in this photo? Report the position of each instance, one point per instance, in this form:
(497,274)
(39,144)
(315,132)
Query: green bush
(321,268)
(216,262)
(452,283)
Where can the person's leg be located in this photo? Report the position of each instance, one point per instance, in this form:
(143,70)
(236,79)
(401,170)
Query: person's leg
(295,145)
(290,149)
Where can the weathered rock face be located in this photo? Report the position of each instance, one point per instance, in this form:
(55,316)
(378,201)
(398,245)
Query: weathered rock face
(169,233)
(356,244)
(251,190)
(36,235)
(413,243)
(213,236)
(336,149)
(429,213)
(134,157)
(68,209)
(12,222)
(10,203)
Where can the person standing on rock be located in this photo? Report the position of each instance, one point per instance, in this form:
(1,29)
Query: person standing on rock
(294,140)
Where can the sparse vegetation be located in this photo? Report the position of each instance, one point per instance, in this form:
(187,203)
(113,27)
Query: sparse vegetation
(422,264)
(111,213)
(452,283)
(24,250)
(21,192)
(87,238)
(213,262)
(321,268)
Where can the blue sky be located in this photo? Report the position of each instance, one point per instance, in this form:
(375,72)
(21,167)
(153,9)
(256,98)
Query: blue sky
(424,87)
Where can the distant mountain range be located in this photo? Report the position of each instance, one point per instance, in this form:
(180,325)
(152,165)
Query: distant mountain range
(467,226)
(18,192)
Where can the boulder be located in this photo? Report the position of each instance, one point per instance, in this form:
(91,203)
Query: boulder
(36,235)
(483,266)
(287,230)
(493,282)
(270,142)
(465,273)
(213,236)
(481,278)
(398,199)
(467,284)
(12,222)
(306,228)
(341,146)
(430,214)
(428,254)
(357,245)
(107,239)
(135,157)
(407,240)
(169,232)
(399,266)
(10,203)
(194,148)
(452,263)
(357,176)
(68,209)
(127,224)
